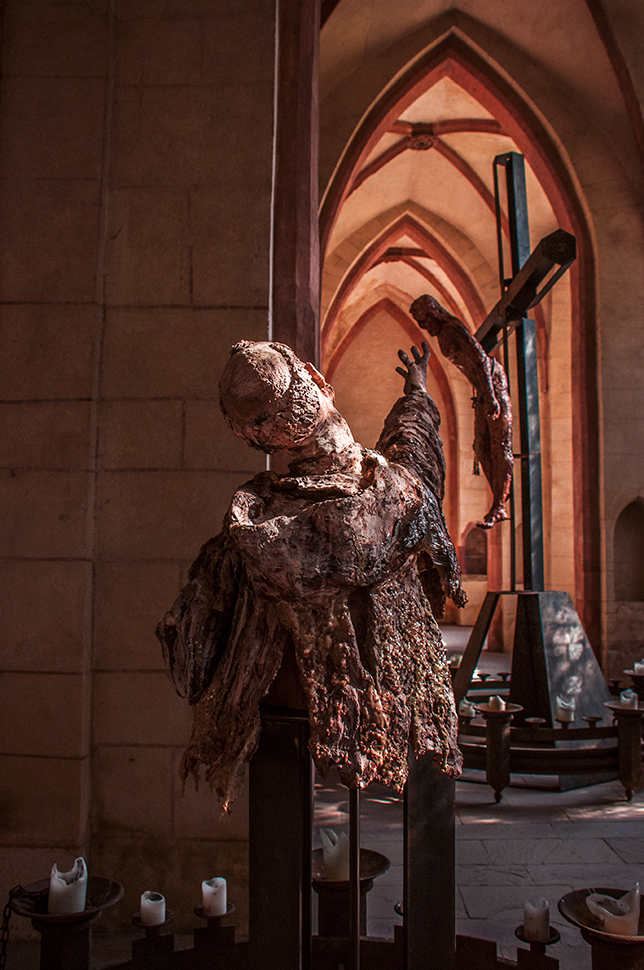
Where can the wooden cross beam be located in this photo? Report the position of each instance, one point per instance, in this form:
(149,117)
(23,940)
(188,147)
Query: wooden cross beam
(551,258)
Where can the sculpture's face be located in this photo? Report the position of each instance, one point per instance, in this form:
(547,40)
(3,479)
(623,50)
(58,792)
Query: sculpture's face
(429,314)
(270,398)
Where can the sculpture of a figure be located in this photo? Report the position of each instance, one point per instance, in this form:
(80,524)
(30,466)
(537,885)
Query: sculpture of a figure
(492,405)
(340,566)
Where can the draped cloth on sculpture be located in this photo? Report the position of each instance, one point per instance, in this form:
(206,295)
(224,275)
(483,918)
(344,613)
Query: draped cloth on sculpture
(349,570)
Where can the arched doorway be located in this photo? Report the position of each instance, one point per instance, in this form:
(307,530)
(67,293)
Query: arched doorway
(409,210)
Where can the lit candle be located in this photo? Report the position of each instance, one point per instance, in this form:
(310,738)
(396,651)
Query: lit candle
(536,921)
(638,668)
(565,710)
(152,909)
(335,852)
(465,709)
(213,893)
(496,703)
(628,698)
(67,890)
(618,916)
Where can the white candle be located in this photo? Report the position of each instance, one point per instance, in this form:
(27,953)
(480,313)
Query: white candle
(565,710)
(67,890)
(152,909)
(638,668)
(536,921)
(465,709)
(335,852)
(496,703)
(628,698)
(456,659)
(618,916)
(214,896)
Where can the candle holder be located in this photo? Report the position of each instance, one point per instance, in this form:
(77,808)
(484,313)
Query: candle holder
(536,946)
(609,950)
(497,746)
(152,932)
(65,941)
(155,951)
(592,720)
(535,722)
(629,733)
(214,921)
(333,910)
(213,933)
(637,681)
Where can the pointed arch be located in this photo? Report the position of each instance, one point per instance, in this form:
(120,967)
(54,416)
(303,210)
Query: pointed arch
(449,433)
(405,224)
(452,56)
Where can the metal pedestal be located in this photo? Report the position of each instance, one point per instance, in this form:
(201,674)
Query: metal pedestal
(281,810)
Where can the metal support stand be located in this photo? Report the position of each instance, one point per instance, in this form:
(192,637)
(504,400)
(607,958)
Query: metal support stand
(629,734)
(280,846)
(66,940)
(614,954)
(354,878)
(497,747)
(281,821)
(429,864)
(67,946)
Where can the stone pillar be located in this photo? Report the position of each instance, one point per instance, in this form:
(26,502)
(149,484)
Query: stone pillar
(295,269)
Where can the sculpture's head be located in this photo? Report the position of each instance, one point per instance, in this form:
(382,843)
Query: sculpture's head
(270,397)
(429,314)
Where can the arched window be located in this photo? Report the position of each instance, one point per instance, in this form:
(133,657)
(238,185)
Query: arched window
(629,552)
(475,563)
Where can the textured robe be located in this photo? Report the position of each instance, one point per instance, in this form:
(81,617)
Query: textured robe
(346,570)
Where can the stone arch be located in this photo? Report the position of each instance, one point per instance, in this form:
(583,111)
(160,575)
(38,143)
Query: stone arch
(449,426)
(628,551)
(455,57)
(475,552)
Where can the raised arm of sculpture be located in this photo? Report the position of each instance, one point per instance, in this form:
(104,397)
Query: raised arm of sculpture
(492,405)
(337,565)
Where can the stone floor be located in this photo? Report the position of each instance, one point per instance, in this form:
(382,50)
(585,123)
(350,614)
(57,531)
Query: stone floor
(536,842)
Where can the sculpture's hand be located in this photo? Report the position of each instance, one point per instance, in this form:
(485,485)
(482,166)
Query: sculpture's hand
(416,370)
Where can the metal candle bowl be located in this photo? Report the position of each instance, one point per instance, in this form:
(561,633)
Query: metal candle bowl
(101,893)
(372,864)
(573,907)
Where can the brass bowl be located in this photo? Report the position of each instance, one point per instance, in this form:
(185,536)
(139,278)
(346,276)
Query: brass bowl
(573,907)
(101,893)
(372,864)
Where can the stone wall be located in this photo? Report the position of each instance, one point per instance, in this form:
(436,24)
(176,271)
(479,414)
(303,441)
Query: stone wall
(136,166)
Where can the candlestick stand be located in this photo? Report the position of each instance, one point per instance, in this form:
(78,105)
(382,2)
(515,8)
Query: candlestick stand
(609,950)
(281,800)
(538,949)
(65,941)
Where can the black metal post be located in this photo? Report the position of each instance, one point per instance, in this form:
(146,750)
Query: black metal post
(429,905)
(280,835)
(527,372)
(354,878)
(65,946)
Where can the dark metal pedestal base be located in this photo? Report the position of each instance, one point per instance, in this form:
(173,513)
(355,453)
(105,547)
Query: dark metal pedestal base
(609,955)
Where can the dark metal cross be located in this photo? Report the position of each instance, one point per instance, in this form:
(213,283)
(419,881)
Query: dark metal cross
(520,293)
